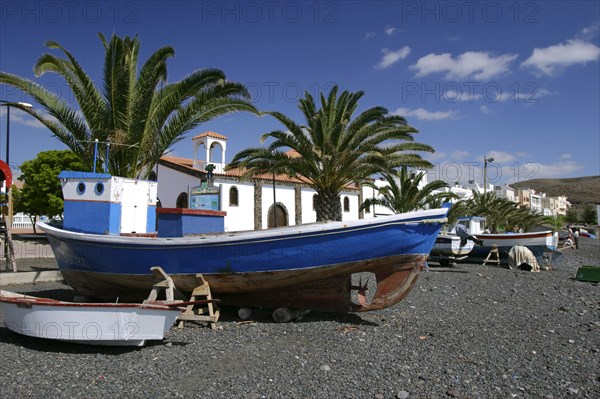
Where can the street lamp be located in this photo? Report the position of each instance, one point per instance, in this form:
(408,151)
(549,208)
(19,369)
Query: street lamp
(9,104)
(274,195)
(486,160)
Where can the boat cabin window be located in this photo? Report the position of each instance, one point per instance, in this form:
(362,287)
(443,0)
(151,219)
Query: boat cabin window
(99,189)
(234,197)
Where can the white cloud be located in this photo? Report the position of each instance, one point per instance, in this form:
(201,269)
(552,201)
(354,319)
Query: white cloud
(559,169)
(532,94)
(553,59)
(500,156)
(472,64)
(436,156)
(467,95)
(423,114)
(565,156)
(369,35)
(389,58)
(19,117)
(390,30)
(589,32)
(485,110)
(460,154)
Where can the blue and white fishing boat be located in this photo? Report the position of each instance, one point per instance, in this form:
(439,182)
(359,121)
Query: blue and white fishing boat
(113,233)
(449,249)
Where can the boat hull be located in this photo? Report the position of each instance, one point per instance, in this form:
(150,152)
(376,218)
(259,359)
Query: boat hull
(98,324)
(307,266)
(542,244)
(449,248)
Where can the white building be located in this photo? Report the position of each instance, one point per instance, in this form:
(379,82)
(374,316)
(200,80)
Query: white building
(507,192)
(249,203)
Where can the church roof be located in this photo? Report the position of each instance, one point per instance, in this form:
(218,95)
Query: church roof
(186,165)
(210,134)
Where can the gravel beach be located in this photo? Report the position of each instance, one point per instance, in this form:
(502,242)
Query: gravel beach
(469,331)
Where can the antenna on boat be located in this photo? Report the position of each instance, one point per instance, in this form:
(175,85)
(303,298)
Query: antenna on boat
(95,155)
(106,157)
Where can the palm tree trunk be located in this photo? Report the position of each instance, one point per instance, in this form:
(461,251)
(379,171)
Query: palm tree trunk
(328,206)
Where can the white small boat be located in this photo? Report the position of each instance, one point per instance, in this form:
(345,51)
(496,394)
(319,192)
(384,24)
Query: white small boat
(449,248)
(115,324)
(543,244)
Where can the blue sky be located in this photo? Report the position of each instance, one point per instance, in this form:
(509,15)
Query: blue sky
(518,81)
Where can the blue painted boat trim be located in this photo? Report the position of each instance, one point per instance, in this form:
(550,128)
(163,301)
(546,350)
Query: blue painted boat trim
(290,248)
(72,174)
(96,217)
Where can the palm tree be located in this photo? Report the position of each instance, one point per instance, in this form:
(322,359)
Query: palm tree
(407,196)
(131,110)
(501,213)
(335,148)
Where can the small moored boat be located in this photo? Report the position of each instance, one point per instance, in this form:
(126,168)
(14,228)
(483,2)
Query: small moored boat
(115,324)
(449,248)
(543,244)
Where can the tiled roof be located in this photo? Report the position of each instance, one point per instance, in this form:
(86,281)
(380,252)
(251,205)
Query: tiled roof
(178,160)
(210,134)
(293,154)
(185,165)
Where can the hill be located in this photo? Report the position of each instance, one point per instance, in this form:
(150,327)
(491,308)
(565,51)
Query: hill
(579,190)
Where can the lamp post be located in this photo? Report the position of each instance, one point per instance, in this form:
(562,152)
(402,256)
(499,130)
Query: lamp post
(486,160)
(274,195)
(9,104)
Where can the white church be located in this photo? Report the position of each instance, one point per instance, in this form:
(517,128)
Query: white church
(261,202)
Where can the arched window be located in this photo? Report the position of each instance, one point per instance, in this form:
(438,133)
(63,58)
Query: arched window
(234,199)
(315,202)
(182,201)
(368,208)
(346,204)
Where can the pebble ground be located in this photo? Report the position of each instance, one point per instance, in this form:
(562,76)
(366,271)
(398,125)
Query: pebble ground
(469,331)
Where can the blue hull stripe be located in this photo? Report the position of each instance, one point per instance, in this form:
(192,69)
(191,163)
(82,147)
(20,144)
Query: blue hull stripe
(263,254)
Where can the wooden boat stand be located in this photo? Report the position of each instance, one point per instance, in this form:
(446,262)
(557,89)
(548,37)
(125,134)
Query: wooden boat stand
(6,237)
(199,312)
(493,256)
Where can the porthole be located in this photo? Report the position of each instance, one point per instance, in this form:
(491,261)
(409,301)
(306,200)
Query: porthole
(81,188)
(99,189)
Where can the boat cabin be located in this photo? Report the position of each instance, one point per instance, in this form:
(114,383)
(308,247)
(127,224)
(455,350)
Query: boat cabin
(99,203)
(474,224)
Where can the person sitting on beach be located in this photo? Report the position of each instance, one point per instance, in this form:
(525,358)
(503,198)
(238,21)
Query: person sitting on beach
(464,235)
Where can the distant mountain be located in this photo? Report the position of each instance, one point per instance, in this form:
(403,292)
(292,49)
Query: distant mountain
(578,190)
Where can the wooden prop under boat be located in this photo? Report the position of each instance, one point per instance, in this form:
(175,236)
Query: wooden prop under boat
(115,324)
